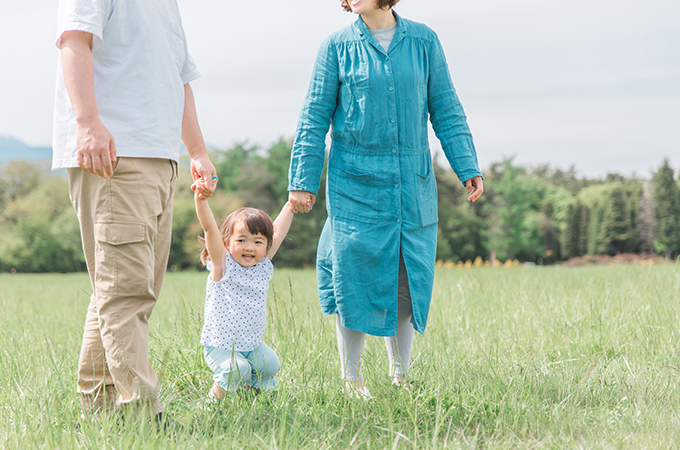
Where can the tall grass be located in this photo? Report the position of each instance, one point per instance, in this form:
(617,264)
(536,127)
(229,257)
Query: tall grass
(512,358)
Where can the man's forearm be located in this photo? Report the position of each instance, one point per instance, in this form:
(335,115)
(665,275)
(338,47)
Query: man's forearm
(76,57)
(191,132)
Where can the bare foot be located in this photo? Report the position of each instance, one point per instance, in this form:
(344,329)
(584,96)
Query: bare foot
(217,392)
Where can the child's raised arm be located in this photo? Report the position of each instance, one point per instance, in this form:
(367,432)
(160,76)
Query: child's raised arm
(213,237)
(281,227)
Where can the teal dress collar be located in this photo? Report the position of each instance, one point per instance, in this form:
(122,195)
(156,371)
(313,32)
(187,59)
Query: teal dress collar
(364,33)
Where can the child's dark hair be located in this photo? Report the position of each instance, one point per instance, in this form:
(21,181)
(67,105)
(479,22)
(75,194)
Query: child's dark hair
(380,4)
(256,221)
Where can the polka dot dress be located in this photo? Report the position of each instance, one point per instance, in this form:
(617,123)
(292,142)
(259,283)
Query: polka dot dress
(236,306)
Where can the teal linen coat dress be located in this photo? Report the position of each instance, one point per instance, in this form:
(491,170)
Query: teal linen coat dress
(381,194)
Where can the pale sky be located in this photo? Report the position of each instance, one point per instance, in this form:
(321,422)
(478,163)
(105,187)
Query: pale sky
(595,84)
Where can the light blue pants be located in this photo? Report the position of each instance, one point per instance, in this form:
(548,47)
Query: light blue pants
(233,369)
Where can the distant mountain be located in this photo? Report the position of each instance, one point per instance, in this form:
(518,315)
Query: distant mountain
(11,148)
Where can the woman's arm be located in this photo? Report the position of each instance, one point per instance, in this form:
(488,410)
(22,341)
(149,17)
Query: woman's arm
(309,148)
(213,238)
(281,227)
(448,118)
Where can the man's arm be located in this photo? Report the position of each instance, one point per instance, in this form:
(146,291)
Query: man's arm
(96,147)
(201,167)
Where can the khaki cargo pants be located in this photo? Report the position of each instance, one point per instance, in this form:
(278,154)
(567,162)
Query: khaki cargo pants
(126,224)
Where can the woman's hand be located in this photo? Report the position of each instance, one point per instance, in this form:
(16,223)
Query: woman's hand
(475,187)
(301,201)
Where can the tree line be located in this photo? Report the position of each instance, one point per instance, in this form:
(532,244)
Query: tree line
(538,214)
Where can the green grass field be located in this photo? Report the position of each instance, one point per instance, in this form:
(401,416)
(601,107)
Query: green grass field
(512,358)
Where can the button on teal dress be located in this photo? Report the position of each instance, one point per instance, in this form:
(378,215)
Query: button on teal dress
(381,193)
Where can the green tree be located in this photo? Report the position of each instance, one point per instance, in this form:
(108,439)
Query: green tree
(519,225)
(184,247)
(40,231)
(593,197)
(20,177)
(459,236)
(584,228)
(646,222)
(666,211)
(571,236)
(299,247)
(229,165)
(615,231)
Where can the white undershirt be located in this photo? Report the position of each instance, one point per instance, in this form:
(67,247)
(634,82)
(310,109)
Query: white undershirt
(384,36)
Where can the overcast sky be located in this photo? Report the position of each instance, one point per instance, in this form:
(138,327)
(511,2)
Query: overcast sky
(594,84)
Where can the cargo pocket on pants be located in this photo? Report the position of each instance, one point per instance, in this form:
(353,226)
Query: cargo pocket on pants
(123,258)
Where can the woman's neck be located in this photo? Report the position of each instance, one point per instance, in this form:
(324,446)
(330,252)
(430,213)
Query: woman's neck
(379,18)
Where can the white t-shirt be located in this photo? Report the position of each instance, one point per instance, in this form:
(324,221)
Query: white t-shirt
(141,63)
(236,306)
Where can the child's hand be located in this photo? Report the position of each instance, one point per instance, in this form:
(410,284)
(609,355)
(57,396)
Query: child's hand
(200,187)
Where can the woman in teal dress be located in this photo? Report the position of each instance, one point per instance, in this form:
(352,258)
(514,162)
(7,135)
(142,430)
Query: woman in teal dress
(375,84)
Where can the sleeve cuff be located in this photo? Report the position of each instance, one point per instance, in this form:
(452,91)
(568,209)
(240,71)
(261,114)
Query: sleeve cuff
(463,177)
(191,76)
(86,27)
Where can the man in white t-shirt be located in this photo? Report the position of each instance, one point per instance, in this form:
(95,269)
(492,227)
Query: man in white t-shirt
(123,105)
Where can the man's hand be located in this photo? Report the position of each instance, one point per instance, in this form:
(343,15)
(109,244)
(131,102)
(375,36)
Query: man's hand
(301,201)
(203,169)
(475,187)
(96,148)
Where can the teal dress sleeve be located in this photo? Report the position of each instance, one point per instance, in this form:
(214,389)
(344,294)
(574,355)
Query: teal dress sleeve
(309,148)
(448,118)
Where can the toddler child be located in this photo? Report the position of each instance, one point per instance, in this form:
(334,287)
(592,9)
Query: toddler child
(238,257)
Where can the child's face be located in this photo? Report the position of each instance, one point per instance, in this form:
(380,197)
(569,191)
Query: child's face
(246,248)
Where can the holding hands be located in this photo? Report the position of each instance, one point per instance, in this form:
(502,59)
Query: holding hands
(205,177)
(204,188)
(301,201)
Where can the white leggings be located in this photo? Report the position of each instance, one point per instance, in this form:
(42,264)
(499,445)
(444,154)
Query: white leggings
(351,342)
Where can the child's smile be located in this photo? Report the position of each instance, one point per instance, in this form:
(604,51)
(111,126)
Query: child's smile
(246,248)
